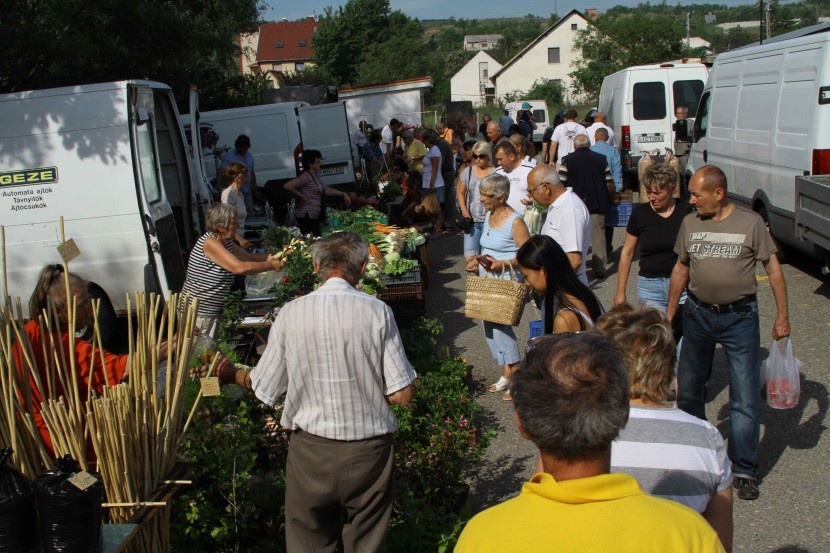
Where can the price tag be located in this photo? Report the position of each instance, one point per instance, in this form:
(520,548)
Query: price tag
(210,386)
(83,480)
(69,250)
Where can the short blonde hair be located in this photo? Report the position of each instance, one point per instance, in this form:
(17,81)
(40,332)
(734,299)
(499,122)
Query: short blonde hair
(643,335)
(659,174)
(482,147)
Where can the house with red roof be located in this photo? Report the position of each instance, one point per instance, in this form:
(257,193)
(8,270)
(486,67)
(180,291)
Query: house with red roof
(278,48)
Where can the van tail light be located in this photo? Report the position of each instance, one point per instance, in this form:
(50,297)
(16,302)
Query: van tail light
(626,137)
(297,152)
(821,162)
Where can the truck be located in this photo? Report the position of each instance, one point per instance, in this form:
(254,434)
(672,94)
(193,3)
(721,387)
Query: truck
(763,119)
(112,160)
(639,105)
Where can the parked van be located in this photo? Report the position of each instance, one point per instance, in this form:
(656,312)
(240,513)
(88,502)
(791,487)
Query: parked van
(278,134)
(639,103)
(110,159)
(540,115)
(763,119)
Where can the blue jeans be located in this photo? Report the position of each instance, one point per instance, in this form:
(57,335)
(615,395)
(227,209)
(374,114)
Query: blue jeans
(472,240)
(654,292)
(740,336)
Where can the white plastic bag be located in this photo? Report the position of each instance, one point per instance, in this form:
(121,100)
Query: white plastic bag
(261,284)
(781,370)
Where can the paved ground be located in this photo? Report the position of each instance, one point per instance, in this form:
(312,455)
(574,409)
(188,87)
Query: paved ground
(793,512)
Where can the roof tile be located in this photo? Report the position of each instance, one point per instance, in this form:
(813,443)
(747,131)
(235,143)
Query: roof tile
(290,34)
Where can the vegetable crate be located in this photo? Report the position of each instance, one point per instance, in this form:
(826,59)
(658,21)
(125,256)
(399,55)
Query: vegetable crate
(400,292)
(618,215)
(411,276)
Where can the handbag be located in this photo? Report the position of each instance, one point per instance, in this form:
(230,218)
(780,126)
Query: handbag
(496,300)
(464,223)
(781,372)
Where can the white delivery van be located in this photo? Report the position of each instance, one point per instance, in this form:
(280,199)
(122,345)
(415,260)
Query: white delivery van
(279,133)
(112,161)
(539,108)
(763,119)
(639,104)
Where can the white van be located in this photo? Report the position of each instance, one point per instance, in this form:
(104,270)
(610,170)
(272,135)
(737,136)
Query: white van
(763,119)
(539,108)
(110,159)
(639,104)
(279,133)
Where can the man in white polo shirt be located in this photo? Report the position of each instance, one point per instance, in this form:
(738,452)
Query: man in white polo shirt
(568,221)
(516,172)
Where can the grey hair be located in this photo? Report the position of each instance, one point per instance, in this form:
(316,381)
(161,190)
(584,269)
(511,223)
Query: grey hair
(546,173)
(662,175)
(483,147)
(581,141)
(496,184)
(344,251)
(221,215)
(571,395)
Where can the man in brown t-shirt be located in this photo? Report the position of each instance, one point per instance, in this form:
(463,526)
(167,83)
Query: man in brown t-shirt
(718,248)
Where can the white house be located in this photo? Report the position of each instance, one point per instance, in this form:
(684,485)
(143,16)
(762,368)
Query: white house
(377,104)
(550,56)
(472,82)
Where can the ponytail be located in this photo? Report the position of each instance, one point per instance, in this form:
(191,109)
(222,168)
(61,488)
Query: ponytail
(50,285)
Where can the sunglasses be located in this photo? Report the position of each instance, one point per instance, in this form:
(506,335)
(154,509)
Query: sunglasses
(480,156)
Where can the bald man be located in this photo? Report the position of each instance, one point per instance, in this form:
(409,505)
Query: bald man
(718,248)
(599,123)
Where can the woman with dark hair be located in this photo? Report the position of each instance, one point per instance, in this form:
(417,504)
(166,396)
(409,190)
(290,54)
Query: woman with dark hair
(568,304)
(309,190)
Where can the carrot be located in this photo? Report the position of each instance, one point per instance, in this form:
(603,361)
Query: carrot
(374,251)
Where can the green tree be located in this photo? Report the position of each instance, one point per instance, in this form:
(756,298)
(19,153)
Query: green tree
(397,58)
(617,42)
(51,43)
(344,35)
(310,75)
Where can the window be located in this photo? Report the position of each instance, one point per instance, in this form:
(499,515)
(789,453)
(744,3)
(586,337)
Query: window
(539,116)
(147,162)
(483,72)
(553,55)
(299,66)
(279,44)
(702,119)
(301,44)
(574,27)
(649,101)
(687,93)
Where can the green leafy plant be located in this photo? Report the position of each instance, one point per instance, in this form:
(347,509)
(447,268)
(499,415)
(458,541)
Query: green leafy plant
(232,313)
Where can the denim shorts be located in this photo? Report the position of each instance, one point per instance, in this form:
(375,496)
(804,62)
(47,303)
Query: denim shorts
(654,292)
(472,240)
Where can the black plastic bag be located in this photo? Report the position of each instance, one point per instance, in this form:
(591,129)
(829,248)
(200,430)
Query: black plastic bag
(18,529)
(70,518)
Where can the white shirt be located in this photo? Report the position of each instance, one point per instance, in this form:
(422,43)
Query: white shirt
(569,223)
(336,353)
(433,157)
(564,136)
(592,131)
(237,200)
(387,137)
(518,186)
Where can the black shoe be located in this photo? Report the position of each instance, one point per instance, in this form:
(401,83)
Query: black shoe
(747,489)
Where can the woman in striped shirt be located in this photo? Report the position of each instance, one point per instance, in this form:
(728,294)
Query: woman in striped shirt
(309,190)
(214,261)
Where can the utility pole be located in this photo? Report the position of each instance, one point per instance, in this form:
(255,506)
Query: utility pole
(688,33)
(760,21)
(769,16)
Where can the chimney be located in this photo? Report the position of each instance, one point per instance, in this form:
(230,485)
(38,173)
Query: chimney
(311,18)
(285,20)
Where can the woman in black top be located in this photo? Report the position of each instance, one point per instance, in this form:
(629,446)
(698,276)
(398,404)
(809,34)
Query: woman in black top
(654,226)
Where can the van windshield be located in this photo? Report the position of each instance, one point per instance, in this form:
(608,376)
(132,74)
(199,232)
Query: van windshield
(687,93)
(649,101)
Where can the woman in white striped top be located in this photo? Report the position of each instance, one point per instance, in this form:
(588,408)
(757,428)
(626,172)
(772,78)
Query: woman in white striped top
(214,261)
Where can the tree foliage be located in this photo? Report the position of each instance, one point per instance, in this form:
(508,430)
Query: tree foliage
(51,43)
(617,42)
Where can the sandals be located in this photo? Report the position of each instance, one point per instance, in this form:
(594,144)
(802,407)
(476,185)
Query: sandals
(499,386)
(507,397)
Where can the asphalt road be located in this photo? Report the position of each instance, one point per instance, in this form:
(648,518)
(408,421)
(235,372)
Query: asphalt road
(793,513)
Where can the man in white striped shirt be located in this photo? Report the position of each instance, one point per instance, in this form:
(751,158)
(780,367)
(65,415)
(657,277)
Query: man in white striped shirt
(337,355)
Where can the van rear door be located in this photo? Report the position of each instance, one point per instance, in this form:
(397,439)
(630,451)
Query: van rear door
(166,268)
(325,127)
(648,112)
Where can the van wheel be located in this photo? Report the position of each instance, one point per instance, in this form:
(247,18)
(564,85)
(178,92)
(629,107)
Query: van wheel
(781,254)
(112,328)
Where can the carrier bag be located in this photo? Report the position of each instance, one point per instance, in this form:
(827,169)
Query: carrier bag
(18,528)
(430,203)
(781,372)
(69,505)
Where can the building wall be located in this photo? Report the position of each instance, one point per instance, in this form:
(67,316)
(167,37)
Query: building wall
(248,43)
(533,65)
(378,108)
(465,85)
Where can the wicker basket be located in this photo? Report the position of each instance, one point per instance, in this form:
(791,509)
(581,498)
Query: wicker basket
(496,300)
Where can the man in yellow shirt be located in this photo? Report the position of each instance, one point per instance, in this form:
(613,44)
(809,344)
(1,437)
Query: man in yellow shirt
(571,400)
(414,151)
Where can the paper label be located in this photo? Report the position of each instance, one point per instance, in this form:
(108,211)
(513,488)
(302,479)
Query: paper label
(210,386)
(69,250)
(83,480)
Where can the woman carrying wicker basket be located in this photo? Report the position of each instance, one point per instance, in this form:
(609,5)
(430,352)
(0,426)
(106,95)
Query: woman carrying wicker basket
(504,233)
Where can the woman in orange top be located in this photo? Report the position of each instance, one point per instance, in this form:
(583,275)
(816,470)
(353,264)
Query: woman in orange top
(51,286)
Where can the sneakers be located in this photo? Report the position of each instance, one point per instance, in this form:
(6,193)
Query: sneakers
(747,489)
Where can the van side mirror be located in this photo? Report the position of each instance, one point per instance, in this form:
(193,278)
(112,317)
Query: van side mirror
(681,130)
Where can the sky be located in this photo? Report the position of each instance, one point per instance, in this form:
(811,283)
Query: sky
(467,9)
